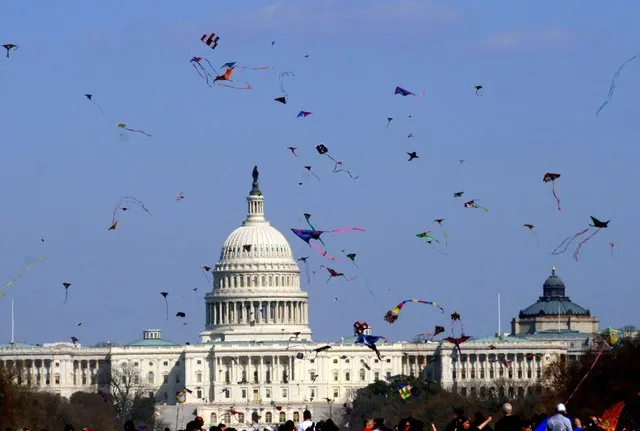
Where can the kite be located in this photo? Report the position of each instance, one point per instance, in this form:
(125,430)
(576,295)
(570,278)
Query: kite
(247,248)
(307,270)
(437,330)
(307,217)
(429,238)
(393,314)
(308,168)
(370,341)
(282,88)
(352,258)
(282,100)
(233,65)
(303,114)
(360,327)
(179,196)
(333,273)
(472,204)
(166,302)
(611,336)
(66,291)
(410,135)
(413,155)
(300,355)
(205,74)
(9,47)
(22,272)
(461,161)
(530,227)
(613,83)
(609,420)
(308,235)
(120,206)
(180,314)
(404,391)
(549,176)
(211,41)
(440,221)
(225,80)
(90,98)
(611,246)
(401,91)
(457,341)
(389,119)
(124,126)
(322,149)
(478,88)
(293,150)
(458,194)
(597,224)
(74,340)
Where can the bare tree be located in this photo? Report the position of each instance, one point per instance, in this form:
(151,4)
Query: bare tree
(126,388)
(628,331)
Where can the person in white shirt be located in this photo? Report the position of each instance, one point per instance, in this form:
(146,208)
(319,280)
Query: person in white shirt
(307,422)
(559,422)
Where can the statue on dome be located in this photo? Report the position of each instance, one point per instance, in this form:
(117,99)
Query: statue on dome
(255,174)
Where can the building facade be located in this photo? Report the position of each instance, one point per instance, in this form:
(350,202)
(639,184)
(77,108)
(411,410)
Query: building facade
(257,363)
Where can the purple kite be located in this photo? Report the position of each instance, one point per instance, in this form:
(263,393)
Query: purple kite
(401,91)
(303,114)
(307,235)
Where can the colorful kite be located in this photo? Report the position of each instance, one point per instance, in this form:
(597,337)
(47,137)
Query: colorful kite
(404,391)
(457,341)
(549,176)
(360,327)
(597,224)
(9,47)
(303,114)
(211,40)
(472,204)
(614,81)
(429,238)
(179,196)
(530,227)
(208,75)
(308,235)
(322,149)
(611,336)
(22,272)
(609,420)
(120,206)
(370,341)
(393,314)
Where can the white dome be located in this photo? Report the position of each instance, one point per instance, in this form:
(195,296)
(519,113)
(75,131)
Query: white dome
(256,241)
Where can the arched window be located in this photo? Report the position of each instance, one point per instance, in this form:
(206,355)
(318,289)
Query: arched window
(268,417)
(213,419)
(296,417)
(282,417)
(227,418)
(362,374)
(151,378)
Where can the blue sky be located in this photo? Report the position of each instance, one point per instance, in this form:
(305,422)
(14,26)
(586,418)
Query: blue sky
(545,71)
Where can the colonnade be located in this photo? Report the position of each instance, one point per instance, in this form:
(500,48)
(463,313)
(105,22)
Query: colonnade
(259,311)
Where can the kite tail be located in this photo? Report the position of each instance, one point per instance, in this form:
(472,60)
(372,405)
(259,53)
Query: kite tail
(66,295)
(553,189)
(314,174)
(536,237)
(138,201)
(350,279)
(345,170)
(167,307)
(566,242)
(346,229)
(258,68)
(323,252)
(212,68)
(482,208)
(246,86)
(446,240)
(577,251)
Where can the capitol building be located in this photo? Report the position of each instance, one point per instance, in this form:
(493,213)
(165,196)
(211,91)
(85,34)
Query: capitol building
(257,362)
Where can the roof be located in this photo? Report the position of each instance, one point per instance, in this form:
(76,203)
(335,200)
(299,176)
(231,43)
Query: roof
(18,346)
(553,307)
(151,342)
(558,334)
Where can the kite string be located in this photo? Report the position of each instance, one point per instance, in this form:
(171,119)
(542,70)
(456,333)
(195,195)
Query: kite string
(587,374)
(553,189)
(567,244)
(577,250)
(20,274)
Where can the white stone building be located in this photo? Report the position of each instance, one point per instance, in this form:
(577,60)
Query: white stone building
(257,358)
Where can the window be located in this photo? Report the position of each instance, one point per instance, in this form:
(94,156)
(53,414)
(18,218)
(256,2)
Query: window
(336,392)
(528,374)
(268,417)
(227,377)
(56,379)
(136,379)
(375,361)
(178,364)
(312,375)
(313,361)
(151,378)
(388,360)
(313,393)
(227,393)
(198,377)
(165,378)
(244,376)
(213,419)
(199,394)
(482,373)
(135,364)
(227,418)
(151,394)
(335,375)
(267,393)
(57,364)
(491,373)
(347,376)
(282,417)
(244,393)
(241,418)
(335,361)
(268,376)
(376,376)
(362,375)
(346,361)
(255,376)
(166,364)
(151,364)
(296,417)
(284,392)
(177,378)
(388,374)
(199,362)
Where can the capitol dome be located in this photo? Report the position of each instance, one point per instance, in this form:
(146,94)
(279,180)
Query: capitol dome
(256,295)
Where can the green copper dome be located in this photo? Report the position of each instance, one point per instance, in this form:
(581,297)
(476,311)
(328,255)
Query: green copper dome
(554,301)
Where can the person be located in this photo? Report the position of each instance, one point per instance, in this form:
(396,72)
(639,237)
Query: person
(559,422)
(577,424)
(509,421)
(465,424)
(221,426)
(368,424)
(458,413)
(526,425)
(307,422)
(378,425)
(479,418)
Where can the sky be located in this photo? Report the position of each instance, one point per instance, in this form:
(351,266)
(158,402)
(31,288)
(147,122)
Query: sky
(545,71)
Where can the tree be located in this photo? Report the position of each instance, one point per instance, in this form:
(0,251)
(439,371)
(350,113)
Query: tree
(125,389)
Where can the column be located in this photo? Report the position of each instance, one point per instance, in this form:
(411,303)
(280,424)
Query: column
(225,313)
